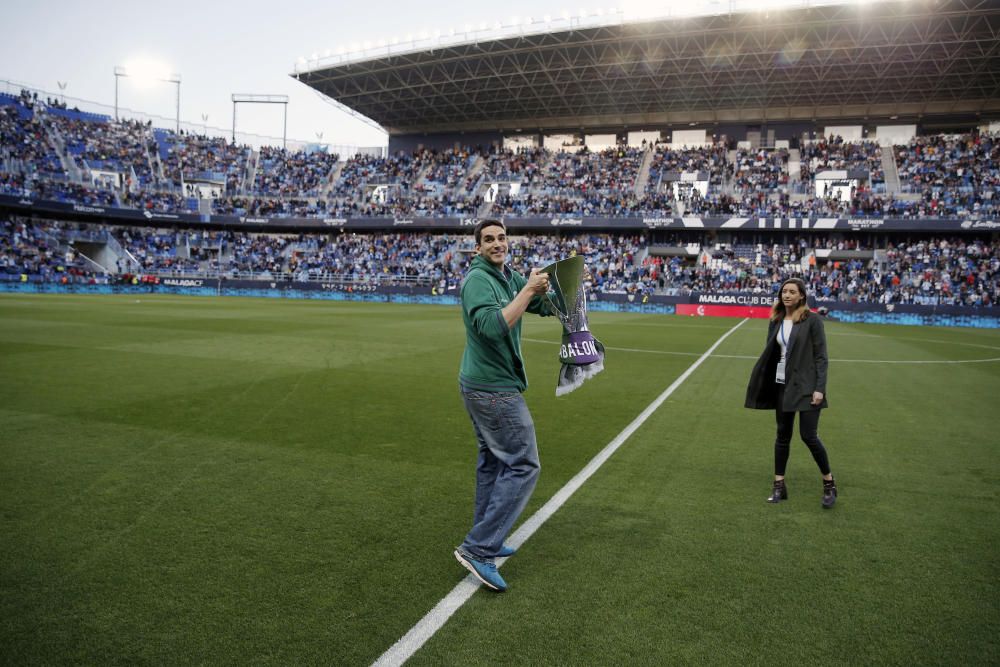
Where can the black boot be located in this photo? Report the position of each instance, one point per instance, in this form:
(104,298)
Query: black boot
(778,492)
(829,493)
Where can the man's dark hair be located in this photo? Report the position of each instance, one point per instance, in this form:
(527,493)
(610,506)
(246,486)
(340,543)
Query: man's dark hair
(487,223)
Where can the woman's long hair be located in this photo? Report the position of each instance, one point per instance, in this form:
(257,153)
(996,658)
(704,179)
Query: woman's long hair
(800,312)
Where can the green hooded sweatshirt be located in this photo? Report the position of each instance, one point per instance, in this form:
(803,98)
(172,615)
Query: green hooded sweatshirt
(492,359)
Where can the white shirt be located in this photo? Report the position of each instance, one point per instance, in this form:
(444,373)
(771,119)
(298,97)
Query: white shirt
(784,333)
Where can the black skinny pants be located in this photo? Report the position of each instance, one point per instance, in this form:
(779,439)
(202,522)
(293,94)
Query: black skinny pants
(808,424)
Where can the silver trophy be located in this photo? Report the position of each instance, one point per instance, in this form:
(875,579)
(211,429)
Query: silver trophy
(581,355)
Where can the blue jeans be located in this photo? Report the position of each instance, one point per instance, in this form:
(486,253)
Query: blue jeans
(507,469)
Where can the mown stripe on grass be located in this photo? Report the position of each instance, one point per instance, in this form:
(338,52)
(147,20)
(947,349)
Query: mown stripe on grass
(402,650)
(751,357)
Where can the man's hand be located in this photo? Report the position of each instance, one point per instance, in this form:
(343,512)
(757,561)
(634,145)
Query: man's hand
(538,282)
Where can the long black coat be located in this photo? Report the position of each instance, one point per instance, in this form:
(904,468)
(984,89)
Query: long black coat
(805,368)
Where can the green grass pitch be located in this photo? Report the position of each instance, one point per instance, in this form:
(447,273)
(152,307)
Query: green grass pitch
(242,481)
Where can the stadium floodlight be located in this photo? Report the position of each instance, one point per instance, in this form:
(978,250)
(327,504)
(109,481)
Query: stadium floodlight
(144,72)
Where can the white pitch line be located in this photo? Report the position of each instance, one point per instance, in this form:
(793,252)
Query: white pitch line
(425,628)
(915,361)
(877,361)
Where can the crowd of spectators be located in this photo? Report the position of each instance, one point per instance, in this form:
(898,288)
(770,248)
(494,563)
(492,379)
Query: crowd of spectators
(759,170)
(921,270)
(280,172)
(835,154)
(155,251)
(955,175)
(386,258)
(941,175)
(709,161)
(191,157)
(24,142)
(122,147)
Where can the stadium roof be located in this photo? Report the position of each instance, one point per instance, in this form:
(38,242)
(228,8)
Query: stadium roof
(904,59)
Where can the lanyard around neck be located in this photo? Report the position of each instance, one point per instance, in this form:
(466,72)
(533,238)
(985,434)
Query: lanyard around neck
(781,332)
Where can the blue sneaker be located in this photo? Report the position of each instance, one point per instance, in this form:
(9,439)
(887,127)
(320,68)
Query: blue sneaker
(506,551)
(484,571)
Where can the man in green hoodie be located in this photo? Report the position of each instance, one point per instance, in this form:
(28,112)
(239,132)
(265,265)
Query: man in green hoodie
(491,379)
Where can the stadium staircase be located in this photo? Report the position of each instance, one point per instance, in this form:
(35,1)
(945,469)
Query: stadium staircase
(332,179)
(881,259)
(475,177)
(422,175)
(55,139)
(459,191)
(65,244)
(127,261)
(254,164)
(794,166)
(241,185)
(158,176)
(484,210)
(149,158)
(891,171)
(642,178)
(477,167)
(728,172)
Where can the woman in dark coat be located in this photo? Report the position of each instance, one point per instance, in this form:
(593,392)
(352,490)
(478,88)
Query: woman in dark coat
(790,377)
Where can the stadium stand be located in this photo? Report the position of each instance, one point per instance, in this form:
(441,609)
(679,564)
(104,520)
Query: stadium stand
(904,269)
(68,156)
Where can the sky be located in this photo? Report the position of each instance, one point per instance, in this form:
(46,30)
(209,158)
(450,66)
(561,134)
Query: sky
(220,48)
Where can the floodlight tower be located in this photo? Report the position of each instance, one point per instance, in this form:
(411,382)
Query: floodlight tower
(245,98)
